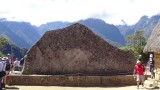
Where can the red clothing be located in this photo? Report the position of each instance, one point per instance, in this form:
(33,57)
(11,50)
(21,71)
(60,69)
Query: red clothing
(10,58)
(139,69)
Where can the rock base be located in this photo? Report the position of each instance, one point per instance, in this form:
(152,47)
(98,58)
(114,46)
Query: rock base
(60,80)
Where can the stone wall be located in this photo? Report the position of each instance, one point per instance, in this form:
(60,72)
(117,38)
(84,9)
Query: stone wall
(157,60)
(53,80)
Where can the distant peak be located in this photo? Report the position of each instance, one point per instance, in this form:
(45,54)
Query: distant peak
(93,20)
(144,17)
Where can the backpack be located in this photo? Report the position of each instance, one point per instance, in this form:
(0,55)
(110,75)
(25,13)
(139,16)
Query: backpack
(8,67)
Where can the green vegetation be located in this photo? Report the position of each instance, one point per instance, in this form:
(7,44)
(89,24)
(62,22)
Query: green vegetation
(3,41)
(6,47)
(1,55)
(16,52)
(135,44)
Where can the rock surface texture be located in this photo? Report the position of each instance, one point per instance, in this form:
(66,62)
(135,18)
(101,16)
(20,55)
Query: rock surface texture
(76,50)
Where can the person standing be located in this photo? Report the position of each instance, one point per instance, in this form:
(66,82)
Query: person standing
(10,59)
(4,71)
(11,62)
(17,64)
(138,73)
(151,66)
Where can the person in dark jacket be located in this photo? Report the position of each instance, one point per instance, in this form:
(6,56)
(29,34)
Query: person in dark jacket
(151,67)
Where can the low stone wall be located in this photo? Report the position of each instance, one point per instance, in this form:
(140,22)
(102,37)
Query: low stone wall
(157,60)
(60,80)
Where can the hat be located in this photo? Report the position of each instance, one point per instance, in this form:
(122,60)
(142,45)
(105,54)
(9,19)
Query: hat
(140,55)
(3,58)
(151,55)
(138,61)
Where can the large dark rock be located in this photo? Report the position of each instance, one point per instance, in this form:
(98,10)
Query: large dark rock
(76,50)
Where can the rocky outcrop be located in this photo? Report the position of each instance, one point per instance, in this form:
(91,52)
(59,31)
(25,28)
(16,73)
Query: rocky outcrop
(76,50)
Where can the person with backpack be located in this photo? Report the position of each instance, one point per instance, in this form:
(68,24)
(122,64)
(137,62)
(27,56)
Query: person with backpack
(138,73)
(4,71)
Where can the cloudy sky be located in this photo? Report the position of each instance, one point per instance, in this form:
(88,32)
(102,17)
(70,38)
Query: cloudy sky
(112,11)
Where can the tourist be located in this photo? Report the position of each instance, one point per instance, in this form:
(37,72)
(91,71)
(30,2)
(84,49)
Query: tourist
(10,59)
(2,74)
(1,64)
(4,71)
(151,66)
(139,73)
(11,62)
(17,64)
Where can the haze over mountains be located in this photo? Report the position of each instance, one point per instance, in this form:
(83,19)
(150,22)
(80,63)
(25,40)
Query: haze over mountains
(23,34)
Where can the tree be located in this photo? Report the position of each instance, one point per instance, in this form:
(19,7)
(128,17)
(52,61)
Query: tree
(136,43)
(3,41)
(136,39)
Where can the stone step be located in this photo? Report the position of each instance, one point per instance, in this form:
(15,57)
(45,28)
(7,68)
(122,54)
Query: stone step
(148,83)
(152,83)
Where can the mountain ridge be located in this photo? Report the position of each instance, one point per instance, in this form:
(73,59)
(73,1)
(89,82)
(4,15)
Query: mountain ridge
(24,34)
(145,24)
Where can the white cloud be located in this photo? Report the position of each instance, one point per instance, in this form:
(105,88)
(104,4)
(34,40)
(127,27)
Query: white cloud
(112,11)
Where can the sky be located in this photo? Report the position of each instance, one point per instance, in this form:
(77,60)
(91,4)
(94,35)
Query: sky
(39,12)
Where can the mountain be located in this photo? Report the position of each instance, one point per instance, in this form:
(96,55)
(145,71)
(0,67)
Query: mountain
(145,24)
(24,30)
(52,26)
(107,31)
(13,38)
(23,34)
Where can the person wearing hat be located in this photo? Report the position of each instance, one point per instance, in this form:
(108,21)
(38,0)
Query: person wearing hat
(138,73)
(11,62)
(4,71)
(151,66)
(10,59)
